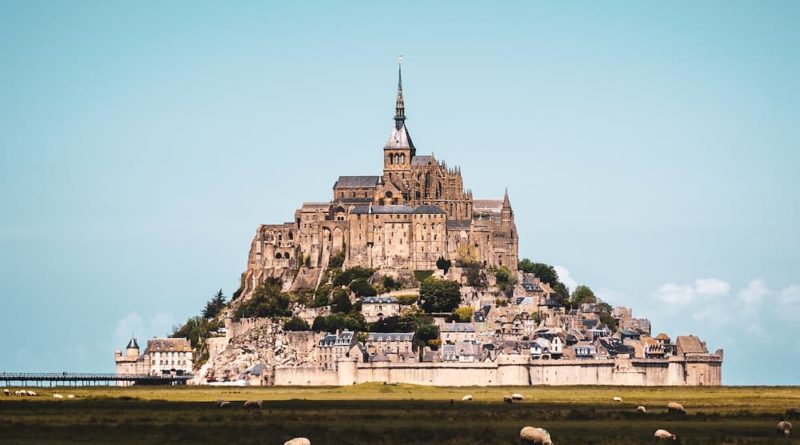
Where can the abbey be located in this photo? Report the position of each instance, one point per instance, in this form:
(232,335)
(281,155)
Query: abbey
(416,212)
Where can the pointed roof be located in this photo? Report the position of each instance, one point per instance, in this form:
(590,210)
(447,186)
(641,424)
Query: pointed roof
(506,202)
(399,137)
(132,344)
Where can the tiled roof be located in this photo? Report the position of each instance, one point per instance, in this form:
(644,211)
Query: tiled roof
(428,209)
(689,344)
(356,181)
(399,138)
(459,224)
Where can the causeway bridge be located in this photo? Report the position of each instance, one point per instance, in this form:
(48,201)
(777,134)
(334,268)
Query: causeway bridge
(50,379)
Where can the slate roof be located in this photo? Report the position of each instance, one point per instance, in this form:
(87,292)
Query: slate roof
(397,209)
(495,205)
(133,344)
(420,160)
(169,345)
(428,209)
(457,327)
(389,336)
(356,181)
(459,224)
(379,300)
(399,138)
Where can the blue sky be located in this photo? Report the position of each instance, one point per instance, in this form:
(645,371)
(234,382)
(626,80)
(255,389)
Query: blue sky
(650,149)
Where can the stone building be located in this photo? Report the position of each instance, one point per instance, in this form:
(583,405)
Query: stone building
(172,356)
(404,219)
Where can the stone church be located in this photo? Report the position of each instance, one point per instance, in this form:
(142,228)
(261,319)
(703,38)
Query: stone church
(405,219)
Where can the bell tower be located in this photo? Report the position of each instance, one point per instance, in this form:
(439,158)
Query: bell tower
(399,149)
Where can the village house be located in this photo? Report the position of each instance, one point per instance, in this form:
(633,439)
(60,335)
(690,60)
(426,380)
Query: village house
(377,308)
(450,333)
(333,347)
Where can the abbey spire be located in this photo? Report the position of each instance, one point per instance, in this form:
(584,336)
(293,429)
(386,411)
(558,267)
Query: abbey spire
(400,109)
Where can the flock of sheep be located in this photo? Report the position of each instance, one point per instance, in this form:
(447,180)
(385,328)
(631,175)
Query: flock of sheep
(29,393)
(530,435)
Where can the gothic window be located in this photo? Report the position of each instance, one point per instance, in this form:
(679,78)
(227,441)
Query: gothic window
(402,158)
(286,255)
(291,235)
(278,256)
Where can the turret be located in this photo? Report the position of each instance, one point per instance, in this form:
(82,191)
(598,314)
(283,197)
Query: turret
(132,350)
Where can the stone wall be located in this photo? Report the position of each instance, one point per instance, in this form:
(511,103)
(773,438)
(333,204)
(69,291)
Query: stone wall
(515,371)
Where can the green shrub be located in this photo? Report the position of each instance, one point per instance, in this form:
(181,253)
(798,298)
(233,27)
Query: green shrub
(336,260)
(422,275)
(439,295)
(267,301)
(362,288)
(341,301)
(407,300)
(296,324)
(354,273)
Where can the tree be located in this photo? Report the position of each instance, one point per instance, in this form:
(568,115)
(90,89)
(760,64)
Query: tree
(505,280)
(196,329)
(214,306)
(475,276)
(267,301)
(362,288)
(296,324)
(542,271)
(581,295)
(336,260)
(440,295)
(426,333)
(341,301)
(443,264)
(463,314)
(466,254)
(354,273)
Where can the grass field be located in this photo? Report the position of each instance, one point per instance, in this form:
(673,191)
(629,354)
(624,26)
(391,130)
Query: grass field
(386,414)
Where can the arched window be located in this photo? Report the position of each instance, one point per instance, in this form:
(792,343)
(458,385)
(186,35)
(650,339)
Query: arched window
(291,235)
(403,158)
(278,256)
(286,255)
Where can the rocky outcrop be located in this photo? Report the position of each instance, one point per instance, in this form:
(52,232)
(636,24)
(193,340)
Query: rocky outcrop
(251,357)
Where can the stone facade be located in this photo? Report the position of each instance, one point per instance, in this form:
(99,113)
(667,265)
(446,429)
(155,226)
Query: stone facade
(405,219)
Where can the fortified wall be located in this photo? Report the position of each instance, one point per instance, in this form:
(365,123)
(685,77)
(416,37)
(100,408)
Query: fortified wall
(516,371)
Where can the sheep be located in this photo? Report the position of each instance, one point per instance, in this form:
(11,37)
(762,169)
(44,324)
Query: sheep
(641,410)
(517,397)
(792,413)
(467,398)
(71,396)
(663,434)
(784,428)
(30,393)
(534,436)
(675,408)
(617,399)
(58,396)
(298,441)
(6,392)
(19,393)
(508,399)
(253,404)
(223,403)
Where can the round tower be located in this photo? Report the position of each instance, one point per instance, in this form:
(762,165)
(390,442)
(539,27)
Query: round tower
(132,350)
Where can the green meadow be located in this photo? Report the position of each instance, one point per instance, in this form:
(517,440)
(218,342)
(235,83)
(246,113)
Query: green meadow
(388,414)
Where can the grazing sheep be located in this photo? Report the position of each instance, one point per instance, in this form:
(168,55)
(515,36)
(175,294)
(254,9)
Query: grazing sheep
(618,399)
(534,436)
(19,393)
(508,399)
(254,404)
(675,408)
(467,398)
(71,396)
(6,392)
(792,413)
(58,396)
(298,441)
(784,428)
(30,393)
(641,410)
(663,434)
(223,403)
(517,397)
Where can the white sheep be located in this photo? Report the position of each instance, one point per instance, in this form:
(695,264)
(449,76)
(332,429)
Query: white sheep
(508,399)
(517,397)
(223,403)
(674,407)
(618,399)
(6,392)
(298,441)
(30,393)
(663,434)
(71,396)
(640,409)
(784,428)
(253,404)
(534,436)
(58,396)
(467,397)
(19,393)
